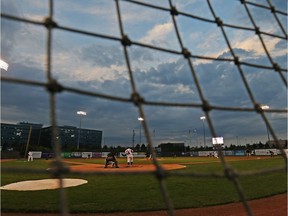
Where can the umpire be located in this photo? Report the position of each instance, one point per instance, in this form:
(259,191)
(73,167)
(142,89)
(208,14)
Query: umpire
(111,158)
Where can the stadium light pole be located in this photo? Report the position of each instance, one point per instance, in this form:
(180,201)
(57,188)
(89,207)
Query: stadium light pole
(266,107)
(80,113)
(204,136)
(196,136)
(133,138)
(140,119)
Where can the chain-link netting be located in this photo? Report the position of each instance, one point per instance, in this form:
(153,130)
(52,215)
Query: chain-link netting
(54,87)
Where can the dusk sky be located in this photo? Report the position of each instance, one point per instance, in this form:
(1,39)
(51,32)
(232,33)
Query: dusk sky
(98,65)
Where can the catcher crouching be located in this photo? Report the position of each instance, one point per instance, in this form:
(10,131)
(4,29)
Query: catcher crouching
(111,159)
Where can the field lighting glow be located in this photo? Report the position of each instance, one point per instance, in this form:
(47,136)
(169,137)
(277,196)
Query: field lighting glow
(265,107)
(81,113)
(4,65)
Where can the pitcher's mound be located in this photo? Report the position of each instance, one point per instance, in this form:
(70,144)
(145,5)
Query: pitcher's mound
(43,184)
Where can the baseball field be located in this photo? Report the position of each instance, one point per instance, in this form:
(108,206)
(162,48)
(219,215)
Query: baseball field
(191,182)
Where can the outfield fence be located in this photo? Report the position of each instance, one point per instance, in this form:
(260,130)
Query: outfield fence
(87,155)
(54,87)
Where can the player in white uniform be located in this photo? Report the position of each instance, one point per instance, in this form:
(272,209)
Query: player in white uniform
(30,156)
(129,155)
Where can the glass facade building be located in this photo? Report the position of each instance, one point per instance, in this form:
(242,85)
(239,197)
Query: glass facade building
(15,137)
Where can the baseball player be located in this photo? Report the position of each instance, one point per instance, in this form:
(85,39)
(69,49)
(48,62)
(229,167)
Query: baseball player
(30,156)
(129,155)
(111,158)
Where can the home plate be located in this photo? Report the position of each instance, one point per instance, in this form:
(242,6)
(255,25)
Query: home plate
(43,184)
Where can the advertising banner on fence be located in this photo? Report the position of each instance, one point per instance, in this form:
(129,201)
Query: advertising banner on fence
(104,154)
(76,154)
(194,154)
(36,154)
(204,153)
(86,154)
(228,153)
(96,154)
(239,152)
(140,154)
(266,151)
(66,154)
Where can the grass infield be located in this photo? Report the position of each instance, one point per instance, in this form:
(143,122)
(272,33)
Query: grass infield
(127,193)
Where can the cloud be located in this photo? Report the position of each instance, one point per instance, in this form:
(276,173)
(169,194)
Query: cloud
(8,30)
(168,82)
(102,55)
(107,56)
(255,45)
(24,103)
(98,65)
(158,34)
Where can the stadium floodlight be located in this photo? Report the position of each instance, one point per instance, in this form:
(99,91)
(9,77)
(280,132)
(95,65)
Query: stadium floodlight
(80,113)
(204,136)
(266,107)
(4,65)
(140,119)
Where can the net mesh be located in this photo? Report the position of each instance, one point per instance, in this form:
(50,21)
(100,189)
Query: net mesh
(240,65)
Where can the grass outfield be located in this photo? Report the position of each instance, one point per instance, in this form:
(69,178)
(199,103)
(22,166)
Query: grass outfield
(115,193)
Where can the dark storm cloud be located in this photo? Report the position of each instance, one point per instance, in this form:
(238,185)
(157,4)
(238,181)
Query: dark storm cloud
(102,55)
(222,85)
(9,30)
(172,73)
(105,56)
(219,81)
(155,79)
(24,103)
(26,72)
(120,86)
(238,52)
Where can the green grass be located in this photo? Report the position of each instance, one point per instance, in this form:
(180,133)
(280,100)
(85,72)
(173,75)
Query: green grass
(112,193)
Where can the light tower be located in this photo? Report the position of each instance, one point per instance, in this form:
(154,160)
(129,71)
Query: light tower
(140,119)
(80,113)
(203,118)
